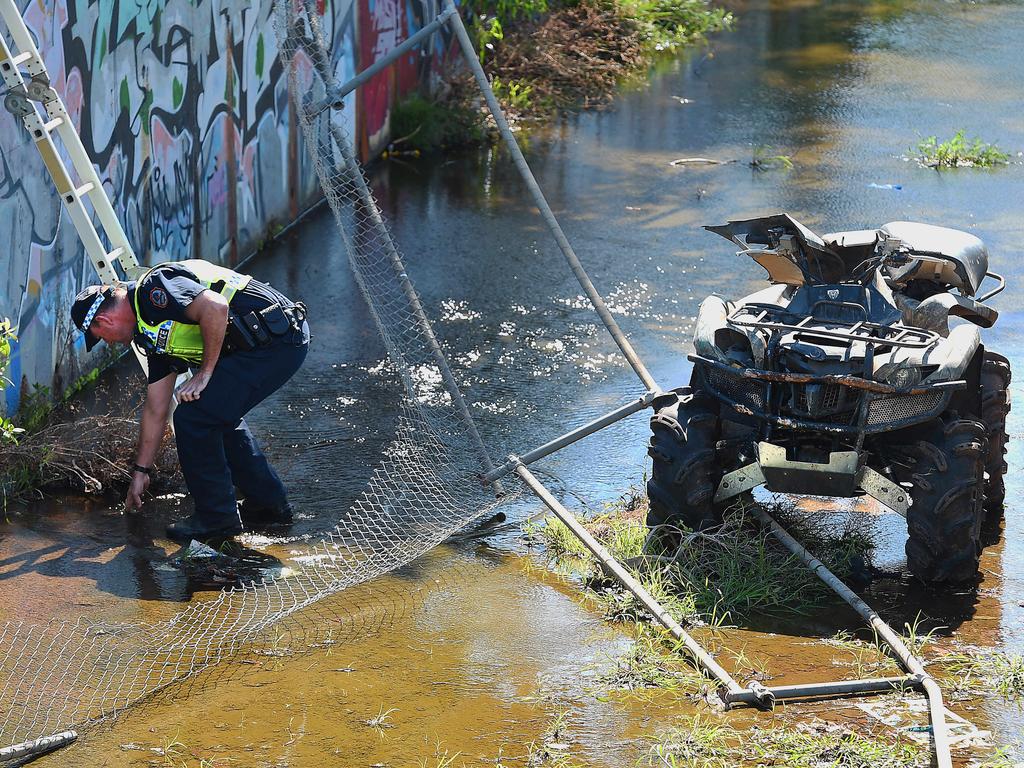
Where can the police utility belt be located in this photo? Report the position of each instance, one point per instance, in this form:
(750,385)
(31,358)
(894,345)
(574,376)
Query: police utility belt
(260,328)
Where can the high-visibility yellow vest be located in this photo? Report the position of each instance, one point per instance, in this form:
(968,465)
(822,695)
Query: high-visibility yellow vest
(185,340)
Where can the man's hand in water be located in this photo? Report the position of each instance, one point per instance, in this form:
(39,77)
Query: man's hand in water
(140,482)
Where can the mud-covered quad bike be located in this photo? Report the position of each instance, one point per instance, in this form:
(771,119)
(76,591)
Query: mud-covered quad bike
(860,370)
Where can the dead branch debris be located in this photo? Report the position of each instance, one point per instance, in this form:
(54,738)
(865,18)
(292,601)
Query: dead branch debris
(573,57)
(90,454)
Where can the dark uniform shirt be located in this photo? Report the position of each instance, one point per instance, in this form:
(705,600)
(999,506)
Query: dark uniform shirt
(165,295)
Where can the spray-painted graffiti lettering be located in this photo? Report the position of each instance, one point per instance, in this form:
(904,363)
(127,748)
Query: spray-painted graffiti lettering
(183,107)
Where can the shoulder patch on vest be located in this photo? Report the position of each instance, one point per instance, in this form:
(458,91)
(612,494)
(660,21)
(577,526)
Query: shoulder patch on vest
(158,297)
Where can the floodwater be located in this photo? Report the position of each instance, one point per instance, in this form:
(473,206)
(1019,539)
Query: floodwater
(475,649)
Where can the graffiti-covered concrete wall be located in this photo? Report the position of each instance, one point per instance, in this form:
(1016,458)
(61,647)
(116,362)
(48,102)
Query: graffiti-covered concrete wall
(183,107)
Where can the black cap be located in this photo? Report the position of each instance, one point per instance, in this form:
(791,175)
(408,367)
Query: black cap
(86,305)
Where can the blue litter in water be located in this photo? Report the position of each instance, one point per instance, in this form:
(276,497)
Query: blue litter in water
(920,729)
(896,187)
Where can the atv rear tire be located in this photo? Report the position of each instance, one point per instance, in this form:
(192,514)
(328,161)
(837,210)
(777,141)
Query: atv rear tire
(947,488)
(995,405)
(685,473)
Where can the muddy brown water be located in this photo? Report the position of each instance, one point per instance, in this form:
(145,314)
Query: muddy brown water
(474,649)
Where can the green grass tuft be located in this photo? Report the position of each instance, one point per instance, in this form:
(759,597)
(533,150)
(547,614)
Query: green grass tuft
(712,577)
(981,671)
(704,744)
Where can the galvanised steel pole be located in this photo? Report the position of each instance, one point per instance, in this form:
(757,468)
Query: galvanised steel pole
(756,691)
(39,746)
(910,662)
(571,437)
(542,204)
(832,690)
(385,61)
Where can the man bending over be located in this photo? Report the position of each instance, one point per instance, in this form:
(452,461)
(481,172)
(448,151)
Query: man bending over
(242,340)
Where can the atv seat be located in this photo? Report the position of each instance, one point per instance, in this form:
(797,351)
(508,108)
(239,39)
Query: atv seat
(939,254)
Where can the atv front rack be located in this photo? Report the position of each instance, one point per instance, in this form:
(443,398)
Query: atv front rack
(772,318)
(882,407)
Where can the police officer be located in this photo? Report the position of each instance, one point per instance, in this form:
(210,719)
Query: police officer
(243,340)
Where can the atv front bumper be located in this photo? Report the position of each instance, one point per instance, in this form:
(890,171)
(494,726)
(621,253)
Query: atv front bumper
(840,476)
(875,406)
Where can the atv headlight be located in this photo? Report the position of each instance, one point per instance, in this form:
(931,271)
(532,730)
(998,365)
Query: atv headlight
(902,376)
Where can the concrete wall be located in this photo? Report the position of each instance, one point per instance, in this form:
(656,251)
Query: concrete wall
(183,106)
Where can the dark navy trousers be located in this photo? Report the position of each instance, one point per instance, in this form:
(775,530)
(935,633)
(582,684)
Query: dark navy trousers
(216,450)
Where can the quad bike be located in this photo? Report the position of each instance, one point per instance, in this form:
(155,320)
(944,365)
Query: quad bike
(845,377)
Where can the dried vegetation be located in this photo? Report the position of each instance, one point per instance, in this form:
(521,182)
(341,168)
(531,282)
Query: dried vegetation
(544,58)
(62,448)
(573,57)
(83,454)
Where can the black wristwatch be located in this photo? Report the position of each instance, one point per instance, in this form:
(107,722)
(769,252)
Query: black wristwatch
(142,469)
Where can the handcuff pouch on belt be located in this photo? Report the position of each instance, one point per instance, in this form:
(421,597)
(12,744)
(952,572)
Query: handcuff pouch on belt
(257,329)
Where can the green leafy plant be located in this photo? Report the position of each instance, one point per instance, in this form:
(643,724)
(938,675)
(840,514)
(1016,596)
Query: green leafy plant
(420,124)
(491,17)
(506,11)
(8,431)
(516,95)
(959,152)
(488,31)
(667,24)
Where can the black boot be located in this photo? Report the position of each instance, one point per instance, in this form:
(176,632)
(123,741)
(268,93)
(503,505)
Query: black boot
(262,518)
(202,529)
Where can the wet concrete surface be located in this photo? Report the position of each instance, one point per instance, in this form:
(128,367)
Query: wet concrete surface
(492,646)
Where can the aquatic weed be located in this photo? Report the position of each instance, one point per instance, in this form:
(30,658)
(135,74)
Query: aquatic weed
(382,720)
(810,745)
(869,658)
(764,160)
(172,751)
(654,661)
(959,152)
(620,605)
(445,760)
(711,577)
(551,752)
(914,638)
(981,671)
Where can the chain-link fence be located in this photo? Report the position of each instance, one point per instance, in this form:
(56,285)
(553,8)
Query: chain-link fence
(426,487)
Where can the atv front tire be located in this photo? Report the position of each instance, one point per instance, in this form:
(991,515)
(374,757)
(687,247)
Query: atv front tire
(685,474)
(995,405)
(947,490)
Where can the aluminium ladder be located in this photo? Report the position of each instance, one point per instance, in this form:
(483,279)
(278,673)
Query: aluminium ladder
(81,182)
